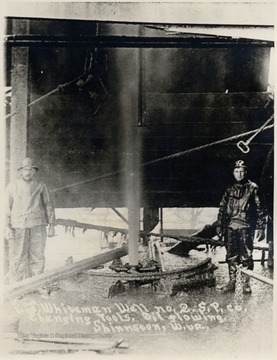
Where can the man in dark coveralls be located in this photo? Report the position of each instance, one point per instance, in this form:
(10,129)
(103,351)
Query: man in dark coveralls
(240,214)
(29,210)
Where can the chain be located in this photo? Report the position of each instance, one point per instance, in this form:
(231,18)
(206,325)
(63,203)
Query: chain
(239,289)
(238,300)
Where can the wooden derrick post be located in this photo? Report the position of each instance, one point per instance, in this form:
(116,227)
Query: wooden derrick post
(20,96)
(162,224)
(18,141)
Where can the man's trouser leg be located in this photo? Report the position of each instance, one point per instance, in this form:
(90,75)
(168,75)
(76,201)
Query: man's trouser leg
(246,250)
(231,259)
(36,250)
(18,255)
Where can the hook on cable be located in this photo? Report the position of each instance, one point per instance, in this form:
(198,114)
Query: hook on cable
(243,145)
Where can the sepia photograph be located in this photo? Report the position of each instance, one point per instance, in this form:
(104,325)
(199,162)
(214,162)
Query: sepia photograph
(138,179)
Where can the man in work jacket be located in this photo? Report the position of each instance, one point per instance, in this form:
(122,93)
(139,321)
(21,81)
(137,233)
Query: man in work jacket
(240,214)
(28,212)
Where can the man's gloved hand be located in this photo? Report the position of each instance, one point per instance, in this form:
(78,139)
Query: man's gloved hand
(51,230)
(8,233)
(260,235)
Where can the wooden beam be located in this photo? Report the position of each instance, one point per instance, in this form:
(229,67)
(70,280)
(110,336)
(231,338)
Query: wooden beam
(258,276)
(73,223)
(120,215)
(261,246)
(33,283)
(39,346)
(19,104)
(190,239)
(132,42)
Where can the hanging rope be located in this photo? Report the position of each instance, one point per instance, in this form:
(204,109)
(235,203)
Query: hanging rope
(172,156)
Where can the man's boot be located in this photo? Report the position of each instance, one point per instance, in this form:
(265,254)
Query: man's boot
(246,284)
(231,285)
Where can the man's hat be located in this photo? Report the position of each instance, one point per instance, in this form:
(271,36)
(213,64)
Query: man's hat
(27,162)
(240,163)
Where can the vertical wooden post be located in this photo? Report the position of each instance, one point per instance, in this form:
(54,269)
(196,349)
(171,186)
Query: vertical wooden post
(161,224)
(19,104)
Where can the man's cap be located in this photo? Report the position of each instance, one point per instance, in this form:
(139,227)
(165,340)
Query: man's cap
(240,163)
(27,162)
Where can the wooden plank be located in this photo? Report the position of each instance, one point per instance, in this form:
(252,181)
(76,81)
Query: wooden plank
(258,276)
(133,42)
(95,343)
(120,215)
(41,346)
(262,246)
(98,343)
(30,284)
(73,223)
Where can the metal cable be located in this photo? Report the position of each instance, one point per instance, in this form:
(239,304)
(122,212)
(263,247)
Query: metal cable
(243,145)
(59,87)
(172,156)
